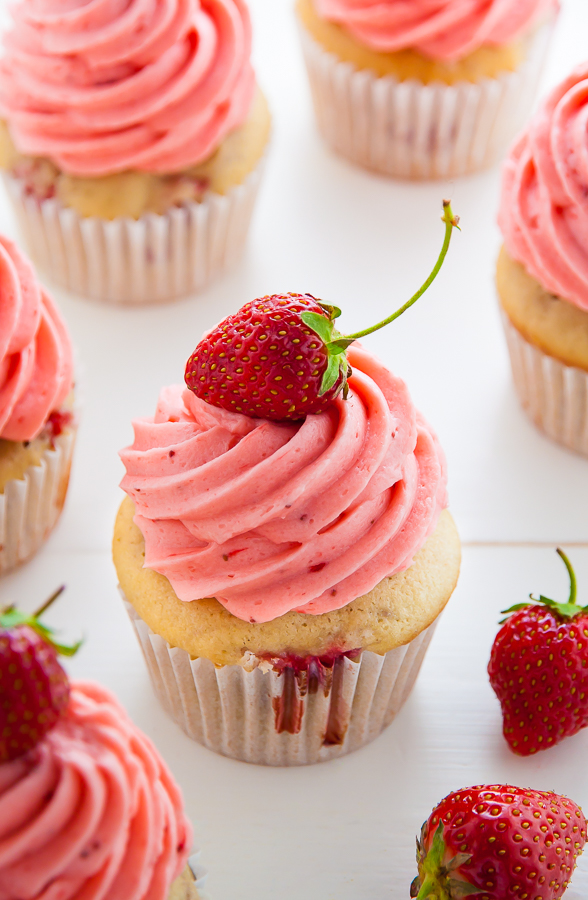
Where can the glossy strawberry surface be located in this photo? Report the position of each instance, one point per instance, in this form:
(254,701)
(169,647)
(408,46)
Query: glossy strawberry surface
(34,690)
(539,671)
(499,842)
(264,361)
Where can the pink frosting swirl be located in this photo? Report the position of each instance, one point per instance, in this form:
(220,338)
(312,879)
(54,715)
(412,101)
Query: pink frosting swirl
(36,365)
(92,813)
(543,211)
(270,517)
(441,29)
(100,87)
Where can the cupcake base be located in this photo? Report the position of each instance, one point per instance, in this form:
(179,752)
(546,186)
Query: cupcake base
(277,718)
(30,506)
(408,129)
(554,395)
(188,886)
(154,259)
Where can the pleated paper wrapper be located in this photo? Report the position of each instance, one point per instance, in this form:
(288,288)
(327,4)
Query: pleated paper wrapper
(408,129)
(30,506)
(195,875)
(153,259)
(271,718)
(554,395)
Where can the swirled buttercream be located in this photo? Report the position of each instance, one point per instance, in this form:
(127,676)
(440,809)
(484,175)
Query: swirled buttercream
(150,85)
(543,210)
(271,517)
(36,365)
(440,29)
(92,812)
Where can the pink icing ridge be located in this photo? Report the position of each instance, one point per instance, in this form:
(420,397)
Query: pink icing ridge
(110,85)
(92,812)
(270,517)
(543,211)
(36,360)
(441,29)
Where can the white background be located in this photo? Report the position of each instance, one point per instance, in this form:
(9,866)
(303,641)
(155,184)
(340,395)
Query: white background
(342,830)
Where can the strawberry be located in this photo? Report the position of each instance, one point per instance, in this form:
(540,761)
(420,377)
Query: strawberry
(497,841)
(280,357)
(539,670)
(34,689)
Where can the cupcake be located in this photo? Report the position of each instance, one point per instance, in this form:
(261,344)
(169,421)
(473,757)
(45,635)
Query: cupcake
(426,89)
(93,810)
(132,142)
(37,423)
(87,806)
(284,574)
(542,273)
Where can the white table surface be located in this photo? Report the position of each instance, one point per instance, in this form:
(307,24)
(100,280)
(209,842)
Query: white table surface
(342,830)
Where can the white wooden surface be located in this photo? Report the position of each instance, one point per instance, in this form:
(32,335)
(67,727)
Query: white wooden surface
(343,830)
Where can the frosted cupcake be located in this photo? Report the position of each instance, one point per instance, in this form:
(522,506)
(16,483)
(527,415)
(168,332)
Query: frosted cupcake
(542,274)
(93,811)
(37,425)
(285,573)
(423,89)
(132,142)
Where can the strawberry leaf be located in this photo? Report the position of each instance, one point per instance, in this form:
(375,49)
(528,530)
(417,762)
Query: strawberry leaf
(319,324)
(330,375)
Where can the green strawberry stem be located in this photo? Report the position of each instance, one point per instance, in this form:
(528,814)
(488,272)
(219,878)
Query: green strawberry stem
(336,343)
(451,222)
(11,617)
(48,602)
(572,574)
(566,610)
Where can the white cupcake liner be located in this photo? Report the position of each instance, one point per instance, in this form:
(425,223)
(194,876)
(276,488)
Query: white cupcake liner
(234,711)
(200,874)
(408,129)
(153,259)
(554,395)
(30,506)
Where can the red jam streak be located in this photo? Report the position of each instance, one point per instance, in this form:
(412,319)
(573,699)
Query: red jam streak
(57,422)
(303,676)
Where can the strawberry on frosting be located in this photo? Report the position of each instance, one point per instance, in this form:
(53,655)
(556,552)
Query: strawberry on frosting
(440,29)
(106,86)
(91,812)
(36,364)
(543,211)
(270,517)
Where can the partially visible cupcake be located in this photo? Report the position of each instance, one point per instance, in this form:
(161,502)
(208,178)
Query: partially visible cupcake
(93,811)
(37,421)
(88,809)
(426,88)
(542,273)
(132,143)
(284,575)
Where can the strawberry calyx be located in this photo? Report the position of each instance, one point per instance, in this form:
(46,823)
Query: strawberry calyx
(11,617)
(336,343)
(567,610)
(436,879)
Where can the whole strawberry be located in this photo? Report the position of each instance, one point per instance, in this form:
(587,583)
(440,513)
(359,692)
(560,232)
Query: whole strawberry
(34,689)
(539,671)
(496,842)
(280,357)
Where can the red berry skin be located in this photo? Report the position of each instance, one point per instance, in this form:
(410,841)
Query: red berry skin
(539,671)
(522,844)
(34,690)
(264,361)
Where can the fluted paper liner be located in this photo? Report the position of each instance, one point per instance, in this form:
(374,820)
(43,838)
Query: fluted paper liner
(30,506)
(554,395)
(149,260)
(235,712)
(408,129)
